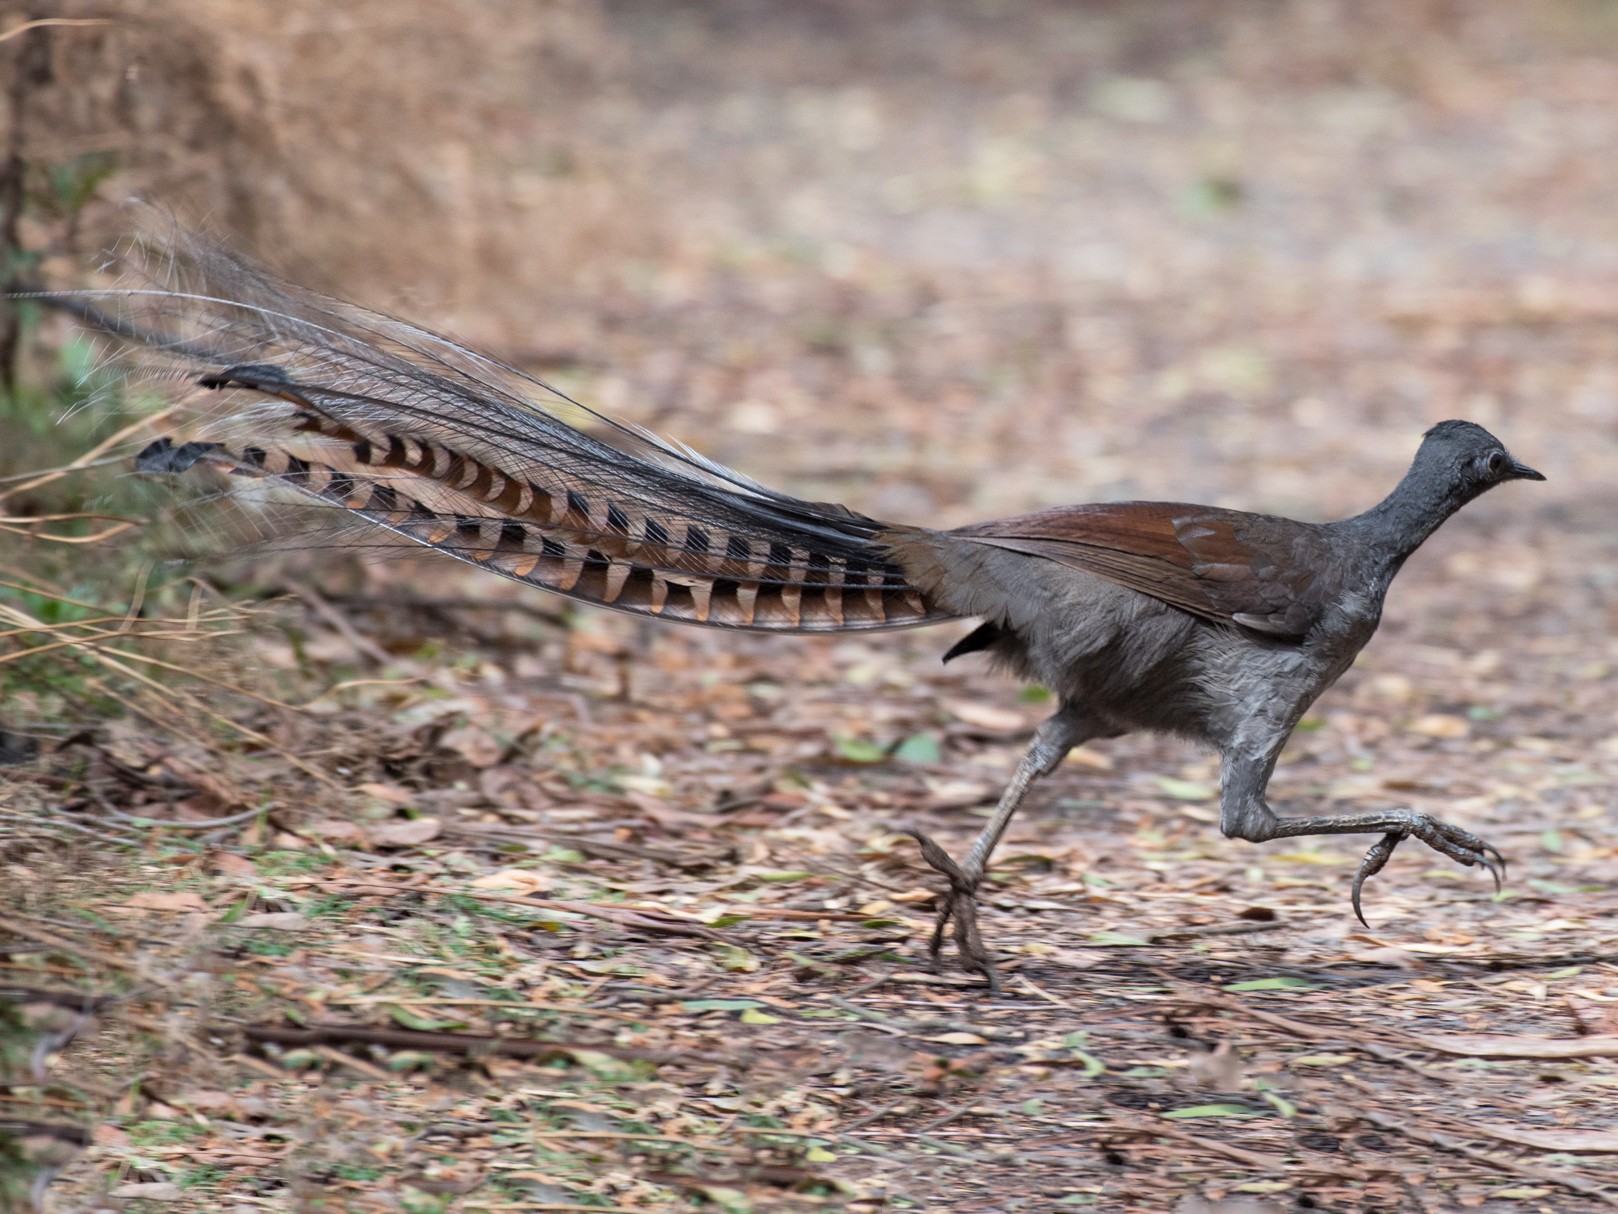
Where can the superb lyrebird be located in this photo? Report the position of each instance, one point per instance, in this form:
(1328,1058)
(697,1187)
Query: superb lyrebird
(1211,624)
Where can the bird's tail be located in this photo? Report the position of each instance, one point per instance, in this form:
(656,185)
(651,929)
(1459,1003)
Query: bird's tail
(460,453)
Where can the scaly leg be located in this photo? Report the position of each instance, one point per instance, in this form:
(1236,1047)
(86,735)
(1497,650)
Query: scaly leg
(1245,815)
(1054,738)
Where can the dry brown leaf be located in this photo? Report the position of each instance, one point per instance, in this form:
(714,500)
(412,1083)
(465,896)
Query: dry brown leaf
(1441,725)
(474,745)
(407,832)
(281,920)
(1573,1142)
(393,794)
(958,794)
(109,1136)
(149,1190)
(232,865)
(1083,756)
(517,880)
(210,1100)
(178,902)
(1501,1045)
(336,830)
(987,716)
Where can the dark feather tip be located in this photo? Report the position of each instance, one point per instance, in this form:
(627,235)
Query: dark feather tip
(163,456)
(984,636)
(246,375)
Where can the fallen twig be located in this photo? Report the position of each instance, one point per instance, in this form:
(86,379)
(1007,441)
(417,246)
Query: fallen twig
(478,1044)
(1504,1045)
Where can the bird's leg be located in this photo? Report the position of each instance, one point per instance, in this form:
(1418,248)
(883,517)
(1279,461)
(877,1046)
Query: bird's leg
(1054,738)
(1245,815)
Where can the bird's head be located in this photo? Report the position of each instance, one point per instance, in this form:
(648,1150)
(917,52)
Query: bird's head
(1469,459)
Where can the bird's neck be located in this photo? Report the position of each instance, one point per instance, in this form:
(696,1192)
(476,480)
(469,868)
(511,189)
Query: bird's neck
(1399,524)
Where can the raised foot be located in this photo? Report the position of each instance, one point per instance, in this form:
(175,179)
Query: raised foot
(960,906)
(1459,845)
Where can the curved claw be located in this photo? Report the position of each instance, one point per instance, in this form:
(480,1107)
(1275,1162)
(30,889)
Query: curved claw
(1496,864)
(1461,846)
(1375,861)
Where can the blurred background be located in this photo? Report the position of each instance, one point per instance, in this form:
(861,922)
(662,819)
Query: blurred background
(947,259)
(941,260)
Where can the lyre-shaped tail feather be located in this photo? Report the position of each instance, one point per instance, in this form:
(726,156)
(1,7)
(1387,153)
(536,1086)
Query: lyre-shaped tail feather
(449,449)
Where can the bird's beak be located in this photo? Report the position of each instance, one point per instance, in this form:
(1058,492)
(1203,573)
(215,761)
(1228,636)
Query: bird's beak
(1522,472)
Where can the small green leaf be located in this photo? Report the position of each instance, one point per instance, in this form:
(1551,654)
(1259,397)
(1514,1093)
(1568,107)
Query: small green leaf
(1558,888)
(1274,984)
(410,1060)
(1282,1105)
(1115,940)
(718,1005)
(819,1155)
(1308,857)
(920,748)
(1580,777)
(1551,840)
(753,1016)
(605,1066)
(858,750)
(301,1060)
(422,1024)
(1093,1066)
(782,874)
(737,959)
(732,1201)
(1034,694)
(1186,790)
(1213,1110)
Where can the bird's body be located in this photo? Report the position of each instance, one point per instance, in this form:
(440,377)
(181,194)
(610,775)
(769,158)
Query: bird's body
(1213,625)
(1134,661)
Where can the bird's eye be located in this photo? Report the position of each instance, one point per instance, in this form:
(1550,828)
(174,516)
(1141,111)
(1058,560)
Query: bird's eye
(1497,462)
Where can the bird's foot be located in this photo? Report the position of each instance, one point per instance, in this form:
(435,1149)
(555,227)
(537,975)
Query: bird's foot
(1459,845)
(960,906)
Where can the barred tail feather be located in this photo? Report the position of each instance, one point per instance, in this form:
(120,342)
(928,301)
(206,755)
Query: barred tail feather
(454,451)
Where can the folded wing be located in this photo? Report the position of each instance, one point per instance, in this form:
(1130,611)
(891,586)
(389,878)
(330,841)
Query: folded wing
(1267,574)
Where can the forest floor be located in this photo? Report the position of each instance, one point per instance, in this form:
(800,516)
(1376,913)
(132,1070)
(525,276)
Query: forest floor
(404,890)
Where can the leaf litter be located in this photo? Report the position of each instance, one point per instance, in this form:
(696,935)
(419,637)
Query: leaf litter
(575,914)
